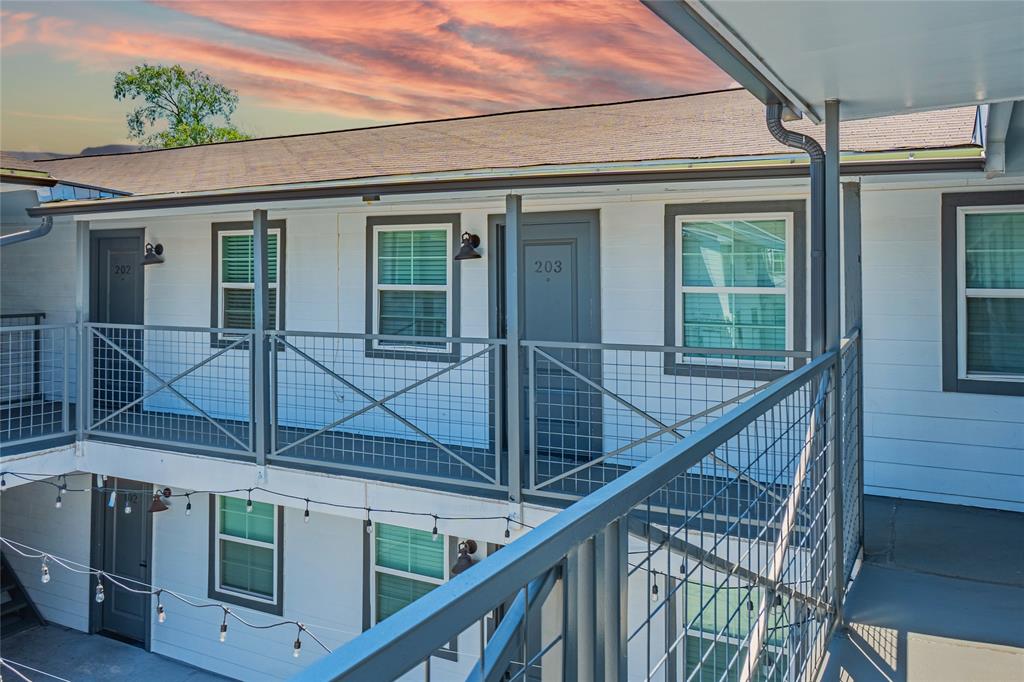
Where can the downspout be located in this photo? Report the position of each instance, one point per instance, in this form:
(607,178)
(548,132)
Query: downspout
(808,144)
(30,233)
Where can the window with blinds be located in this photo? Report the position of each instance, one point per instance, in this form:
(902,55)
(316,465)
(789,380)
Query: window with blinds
(246,545)
(734,284)
(236,279)
(408,563)
(991,319)
(413,293)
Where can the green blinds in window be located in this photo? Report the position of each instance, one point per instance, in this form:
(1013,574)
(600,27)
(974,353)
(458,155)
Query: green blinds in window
(994,250)
(734,253)
(994,278)
(722,660)
(257,524)
(395,593)
(236,258)
(412,257)
(409,550)
(756,321)
(247,567)
(413,313)
(240,307)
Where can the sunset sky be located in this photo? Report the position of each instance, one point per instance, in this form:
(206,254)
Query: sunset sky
(308,66)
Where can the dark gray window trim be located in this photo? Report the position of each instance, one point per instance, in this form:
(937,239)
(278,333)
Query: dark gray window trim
(453,219)
(798,209)
(213,592)
(451,653)
(951,380)
(216,229)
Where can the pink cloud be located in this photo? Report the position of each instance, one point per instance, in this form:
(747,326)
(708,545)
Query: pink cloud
(403,60)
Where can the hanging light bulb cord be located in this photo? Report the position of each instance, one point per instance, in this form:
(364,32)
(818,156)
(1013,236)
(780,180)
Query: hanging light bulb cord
(63,488)
(136,587)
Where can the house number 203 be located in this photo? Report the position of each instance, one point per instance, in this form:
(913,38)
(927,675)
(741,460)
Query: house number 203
(547,266)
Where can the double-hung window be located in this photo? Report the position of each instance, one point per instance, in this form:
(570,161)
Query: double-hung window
(412,284)
(408,563)
(246,548)
(990,304)
(983,292)
(733,286)
(234,296)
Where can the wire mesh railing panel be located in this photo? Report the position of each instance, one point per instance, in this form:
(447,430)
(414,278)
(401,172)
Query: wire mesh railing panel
(738,562)
(683,568)
(594,411)
(430,409)
(851,385)
(37,366)
(172,386)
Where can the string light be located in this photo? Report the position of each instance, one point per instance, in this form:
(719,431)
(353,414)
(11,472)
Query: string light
(654,591)
(127,504)
(305,514)
(58,504)
(297,648)
(3,481)
(44,572)
(112,502)
(124,583)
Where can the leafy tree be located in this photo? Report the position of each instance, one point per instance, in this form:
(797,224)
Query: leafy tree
(197,108)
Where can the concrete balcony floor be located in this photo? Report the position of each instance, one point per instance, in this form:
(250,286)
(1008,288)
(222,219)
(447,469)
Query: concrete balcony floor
(940,596)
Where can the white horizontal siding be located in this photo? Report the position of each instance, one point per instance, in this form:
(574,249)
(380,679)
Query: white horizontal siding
(921,442)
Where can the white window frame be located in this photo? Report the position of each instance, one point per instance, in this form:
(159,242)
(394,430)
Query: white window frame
(218,536)
(447,288)
(681,289)
(963,292)
(375,569)
(222,285)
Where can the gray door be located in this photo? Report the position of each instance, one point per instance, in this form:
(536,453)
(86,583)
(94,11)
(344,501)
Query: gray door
(117,293)
(560,301)
(125,541)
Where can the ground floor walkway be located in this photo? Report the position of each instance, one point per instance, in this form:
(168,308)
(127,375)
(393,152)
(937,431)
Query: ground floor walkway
(940,597)
(52,653)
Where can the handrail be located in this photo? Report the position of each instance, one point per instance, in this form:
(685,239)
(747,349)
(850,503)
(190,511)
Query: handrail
(397,644)
(397,338)
(582,345)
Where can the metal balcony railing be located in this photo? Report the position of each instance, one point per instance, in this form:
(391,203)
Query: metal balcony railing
(739,537)
(38,365)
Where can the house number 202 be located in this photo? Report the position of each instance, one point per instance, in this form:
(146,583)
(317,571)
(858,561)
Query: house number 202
(547,266)
(125,269)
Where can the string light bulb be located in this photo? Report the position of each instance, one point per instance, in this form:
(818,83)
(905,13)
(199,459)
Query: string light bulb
(297,647)
(368,524)
(188,505)
(654,592)
(63,484)
(112,502)
(224,626)
(127,505)
(433,532)
(3,481)
(59,503)
(248,501)
(161,615)
(100,594)
(508,532)
(44,572)
(305,514)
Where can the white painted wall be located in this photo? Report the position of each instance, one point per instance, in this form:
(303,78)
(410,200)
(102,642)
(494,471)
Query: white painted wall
(28,515)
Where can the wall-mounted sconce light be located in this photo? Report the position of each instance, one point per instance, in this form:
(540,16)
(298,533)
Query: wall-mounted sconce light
(154,254)
(160,499)
(464,560)
(468,251)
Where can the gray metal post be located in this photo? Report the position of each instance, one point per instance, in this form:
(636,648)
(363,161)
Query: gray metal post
(586,614)
(612,607)
(260,354)
(833,312)
(513,381)
(672,628)
(82,291)
(854,308)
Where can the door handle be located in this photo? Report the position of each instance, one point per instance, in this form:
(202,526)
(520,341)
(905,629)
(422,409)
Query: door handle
(143,564)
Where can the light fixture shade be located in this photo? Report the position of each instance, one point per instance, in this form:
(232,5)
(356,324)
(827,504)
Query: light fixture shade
(154,254)
(158,504)
(468,251)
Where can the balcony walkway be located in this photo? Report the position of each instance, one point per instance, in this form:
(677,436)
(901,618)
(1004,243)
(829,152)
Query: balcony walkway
(940,597)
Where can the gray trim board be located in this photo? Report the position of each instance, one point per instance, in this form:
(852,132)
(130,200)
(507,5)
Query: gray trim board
(798,209)
(951,381)
(453,219)
(282,258)
(212,592)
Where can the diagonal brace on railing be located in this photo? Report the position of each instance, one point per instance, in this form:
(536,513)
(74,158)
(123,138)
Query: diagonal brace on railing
(380,403)
(167,385)
(662,429)
(775,566)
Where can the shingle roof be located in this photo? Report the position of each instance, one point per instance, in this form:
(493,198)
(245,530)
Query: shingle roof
(718,124)
(9,162)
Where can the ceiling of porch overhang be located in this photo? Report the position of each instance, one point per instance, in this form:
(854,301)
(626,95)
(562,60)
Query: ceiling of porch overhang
(876,58)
